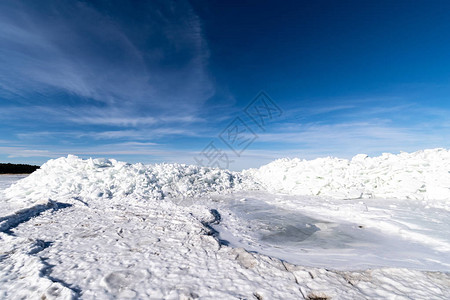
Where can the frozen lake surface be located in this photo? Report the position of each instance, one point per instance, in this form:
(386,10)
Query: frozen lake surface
(336,234)
(7,180)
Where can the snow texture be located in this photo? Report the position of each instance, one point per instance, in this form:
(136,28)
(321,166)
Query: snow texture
(101,229)
(422,175)
(110,179)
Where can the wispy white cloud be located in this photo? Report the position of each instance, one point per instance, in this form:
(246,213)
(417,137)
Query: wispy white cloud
(131,135)
(128,151)
(115,121)
(100,150)
(18,151)
(73,47)
(348,139)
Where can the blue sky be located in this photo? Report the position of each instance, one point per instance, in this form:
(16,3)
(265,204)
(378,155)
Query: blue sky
(158,81)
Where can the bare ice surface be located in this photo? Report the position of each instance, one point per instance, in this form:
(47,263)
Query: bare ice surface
(336,234)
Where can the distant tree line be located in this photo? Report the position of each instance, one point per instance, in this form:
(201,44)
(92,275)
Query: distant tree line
(17,169)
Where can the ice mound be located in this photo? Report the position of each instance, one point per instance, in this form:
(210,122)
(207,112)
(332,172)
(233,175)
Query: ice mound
(73,177)
(422,175)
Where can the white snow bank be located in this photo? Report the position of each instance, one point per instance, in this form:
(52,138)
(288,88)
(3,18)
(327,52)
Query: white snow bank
(422,175)
(100,178)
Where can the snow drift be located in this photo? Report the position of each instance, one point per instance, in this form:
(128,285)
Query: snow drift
(422,175)
(100,178)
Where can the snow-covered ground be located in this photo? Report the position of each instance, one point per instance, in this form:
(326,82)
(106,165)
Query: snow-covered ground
(323,229)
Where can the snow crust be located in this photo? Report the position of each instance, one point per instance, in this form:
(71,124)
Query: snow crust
(422,175)
(159,250)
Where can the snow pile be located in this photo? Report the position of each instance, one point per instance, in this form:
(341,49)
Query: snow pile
(422,175)
(100,178)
